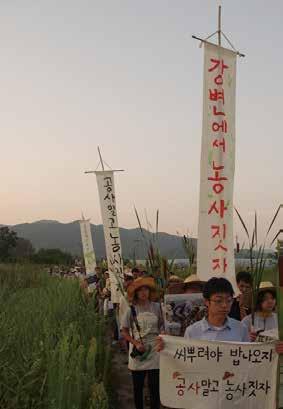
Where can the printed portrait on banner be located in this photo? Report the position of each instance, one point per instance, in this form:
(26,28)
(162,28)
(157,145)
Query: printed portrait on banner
(182,310)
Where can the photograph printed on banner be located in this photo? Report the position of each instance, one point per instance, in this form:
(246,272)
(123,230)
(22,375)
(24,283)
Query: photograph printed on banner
(182,310)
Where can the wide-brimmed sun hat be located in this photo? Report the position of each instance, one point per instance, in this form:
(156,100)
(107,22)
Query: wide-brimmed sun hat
(175,279)
(142,282)
(266,285)
(193,279)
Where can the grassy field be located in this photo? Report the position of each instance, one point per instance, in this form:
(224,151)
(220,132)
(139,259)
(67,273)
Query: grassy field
(53,352)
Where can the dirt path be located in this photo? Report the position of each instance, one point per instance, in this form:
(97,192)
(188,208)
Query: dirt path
(122,379)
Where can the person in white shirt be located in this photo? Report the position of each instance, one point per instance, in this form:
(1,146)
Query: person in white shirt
(141,325)
(265,321)
(124,303)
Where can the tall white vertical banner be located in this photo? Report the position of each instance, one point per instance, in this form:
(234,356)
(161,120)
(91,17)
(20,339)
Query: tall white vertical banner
(106,189)
(89,255)
(215,250)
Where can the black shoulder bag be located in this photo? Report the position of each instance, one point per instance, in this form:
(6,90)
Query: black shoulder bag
(135,352)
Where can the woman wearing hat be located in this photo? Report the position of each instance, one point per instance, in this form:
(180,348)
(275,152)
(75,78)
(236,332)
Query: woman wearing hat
(141,324)
(265,319)
(192,284)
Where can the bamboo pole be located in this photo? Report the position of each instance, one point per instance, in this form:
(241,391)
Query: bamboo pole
(219,26)
(102,165)
(219,33)
(101,161)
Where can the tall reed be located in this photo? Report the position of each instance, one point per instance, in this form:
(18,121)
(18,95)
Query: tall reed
(53,346)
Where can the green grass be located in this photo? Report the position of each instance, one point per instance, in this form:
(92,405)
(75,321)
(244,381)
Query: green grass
(53,350)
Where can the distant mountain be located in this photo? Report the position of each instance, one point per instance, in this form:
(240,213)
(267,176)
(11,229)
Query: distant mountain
(66,236)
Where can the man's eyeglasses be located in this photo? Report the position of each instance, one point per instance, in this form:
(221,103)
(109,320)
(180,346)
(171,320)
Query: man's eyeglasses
(226,301)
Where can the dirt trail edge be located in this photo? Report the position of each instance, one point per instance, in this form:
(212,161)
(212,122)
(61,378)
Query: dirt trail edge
(121,379)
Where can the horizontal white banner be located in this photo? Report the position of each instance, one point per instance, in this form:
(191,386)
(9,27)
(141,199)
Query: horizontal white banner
(217,375)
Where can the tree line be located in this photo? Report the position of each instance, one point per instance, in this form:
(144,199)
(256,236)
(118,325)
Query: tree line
(18,249)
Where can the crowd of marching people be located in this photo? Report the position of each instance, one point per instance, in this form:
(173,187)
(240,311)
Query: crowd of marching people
(138,319)
(228,317)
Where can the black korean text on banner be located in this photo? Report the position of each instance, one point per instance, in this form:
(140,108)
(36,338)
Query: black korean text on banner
(217,375)
(106,189)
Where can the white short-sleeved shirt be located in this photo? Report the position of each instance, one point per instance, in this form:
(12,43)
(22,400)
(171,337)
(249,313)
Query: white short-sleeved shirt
(268,325)
(150,320)
(232,330)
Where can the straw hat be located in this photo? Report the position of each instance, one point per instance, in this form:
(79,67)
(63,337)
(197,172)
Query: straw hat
(193,279)
(175,279)
(266,285)
(141,282)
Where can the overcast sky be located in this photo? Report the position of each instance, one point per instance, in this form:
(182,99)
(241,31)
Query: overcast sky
(126,75)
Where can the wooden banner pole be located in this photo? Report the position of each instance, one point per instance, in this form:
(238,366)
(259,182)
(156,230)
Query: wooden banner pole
(101,161)
(219,26)
(219,33)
